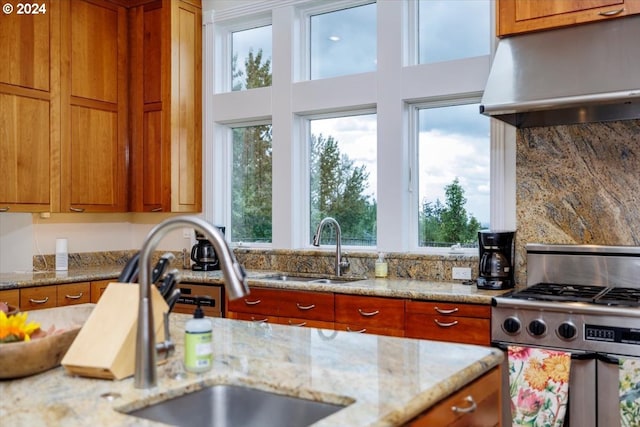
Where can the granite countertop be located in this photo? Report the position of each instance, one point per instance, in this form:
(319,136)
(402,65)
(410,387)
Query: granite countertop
(385,381)
(397,288)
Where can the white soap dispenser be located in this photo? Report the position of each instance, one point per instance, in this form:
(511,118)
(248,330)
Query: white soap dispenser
(198,349)
(381,266)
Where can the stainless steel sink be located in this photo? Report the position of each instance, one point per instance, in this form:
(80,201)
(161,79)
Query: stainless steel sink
(230,405)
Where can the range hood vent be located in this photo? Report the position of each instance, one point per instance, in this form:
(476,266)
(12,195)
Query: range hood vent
(587,73)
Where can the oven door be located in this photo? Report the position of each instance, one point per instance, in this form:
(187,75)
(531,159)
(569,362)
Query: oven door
(581,410)
(608,393)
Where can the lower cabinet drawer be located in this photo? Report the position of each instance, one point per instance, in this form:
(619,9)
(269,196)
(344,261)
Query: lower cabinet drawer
(11,297)
(477,404)
(370,312)
(38,297)
(466,330)
(259,300)
(73,293)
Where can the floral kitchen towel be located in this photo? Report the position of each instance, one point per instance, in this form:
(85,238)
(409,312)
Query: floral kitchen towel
(629,388)
(538,386)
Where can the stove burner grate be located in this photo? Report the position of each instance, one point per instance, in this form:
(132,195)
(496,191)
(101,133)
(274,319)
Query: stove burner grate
(620,296)
(560,292)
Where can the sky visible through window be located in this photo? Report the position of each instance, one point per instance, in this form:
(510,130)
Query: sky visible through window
(453,141)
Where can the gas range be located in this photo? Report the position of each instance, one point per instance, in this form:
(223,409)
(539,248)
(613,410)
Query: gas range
(584,299)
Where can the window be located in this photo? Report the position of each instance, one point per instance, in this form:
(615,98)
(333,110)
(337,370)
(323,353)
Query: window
(453,175)
(251,58)
(351,90)
(343,42)
(450,30)
(251,185)
(342,157)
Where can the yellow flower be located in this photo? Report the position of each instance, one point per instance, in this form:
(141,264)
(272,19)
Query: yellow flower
(558,368)
(535,375)
(15,328)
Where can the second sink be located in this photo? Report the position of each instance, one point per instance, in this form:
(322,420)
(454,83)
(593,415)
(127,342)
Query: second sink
(229,405)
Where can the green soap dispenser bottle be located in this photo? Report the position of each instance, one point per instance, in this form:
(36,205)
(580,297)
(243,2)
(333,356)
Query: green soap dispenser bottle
(198,348)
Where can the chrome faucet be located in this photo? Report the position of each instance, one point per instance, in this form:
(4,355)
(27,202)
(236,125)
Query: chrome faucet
(340,263)
(235,282)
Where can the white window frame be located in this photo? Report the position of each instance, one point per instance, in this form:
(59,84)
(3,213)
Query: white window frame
(390,92)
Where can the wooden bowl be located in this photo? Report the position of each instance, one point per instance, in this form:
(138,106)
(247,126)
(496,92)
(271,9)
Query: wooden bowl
(21,359)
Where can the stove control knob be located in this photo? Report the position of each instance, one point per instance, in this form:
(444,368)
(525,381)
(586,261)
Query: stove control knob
(511,325)
(537,328)
(567,330)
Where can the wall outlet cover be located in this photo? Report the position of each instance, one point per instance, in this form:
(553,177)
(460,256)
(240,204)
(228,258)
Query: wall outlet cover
(461,273)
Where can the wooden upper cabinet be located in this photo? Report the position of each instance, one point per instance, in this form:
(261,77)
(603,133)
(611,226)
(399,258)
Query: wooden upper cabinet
(25,48)
(166,106)
(522,16)
(29,104)
(94,119)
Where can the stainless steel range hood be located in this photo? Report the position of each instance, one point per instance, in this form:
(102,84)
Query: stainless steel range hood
(586,73)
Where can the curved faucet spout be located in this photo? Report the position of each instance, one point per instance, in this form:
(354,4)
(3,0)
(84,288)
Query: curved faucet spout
(235,282)
(340,263)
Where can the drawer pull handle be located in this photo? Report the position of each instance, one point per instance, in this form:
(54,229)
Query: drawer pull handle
(72,209)
(612,12)
(256,302)
(4,209)
(445,325)
(361,331)
(305,307)
(446,311)
(74,296)
(297,324)
(39,301)
(368,313)
(468,409)
(158,209)
(253,319)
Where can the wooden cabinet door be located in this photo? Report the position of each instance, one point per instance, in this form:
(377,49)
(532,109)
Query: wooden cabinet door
(10,297)
(371,313)
(29,107)
(452,322)
(306,305)
(260,301)
(94,93)
(520,16)
(166,110)
(456,411)
(73,293)
(38,297)
(97,289)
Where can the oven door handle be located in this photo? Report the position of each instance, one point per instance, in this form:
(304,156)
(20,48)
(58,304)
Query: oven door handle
(607,358)
(574,356)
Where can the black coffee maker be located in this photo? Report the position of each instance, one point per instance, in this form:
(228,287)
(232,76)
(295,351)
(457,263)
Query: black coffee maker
(497,255)
(203,253)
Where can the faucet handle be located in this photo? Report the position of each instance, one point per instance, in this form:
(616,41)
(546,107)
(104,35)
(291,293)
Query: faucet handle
(165,348)
(344,262)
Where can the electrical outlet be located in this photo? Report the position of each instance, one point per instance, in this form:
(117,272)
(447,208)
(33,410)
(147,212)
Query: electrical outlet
(187,232)
(461,273)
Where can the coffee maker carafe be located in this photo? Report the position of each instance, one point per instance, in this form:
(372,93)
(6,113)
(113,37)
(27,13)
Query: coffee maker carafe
(496,258)
(204,254)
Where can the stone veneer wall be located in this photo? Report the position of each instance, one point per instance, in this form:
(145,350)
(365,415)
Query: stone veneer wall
(577,184)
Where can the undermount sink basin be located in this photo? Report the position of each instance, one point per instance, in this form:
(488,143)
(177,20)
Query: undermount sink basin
(294,278)
(229,405)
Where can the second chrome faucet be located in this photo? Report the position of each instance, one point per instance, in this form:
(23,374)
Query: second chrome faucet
(340,263)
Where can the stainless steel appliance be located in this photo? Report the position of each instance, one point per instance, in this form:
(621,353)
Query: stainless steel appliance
(584,300)
(204,254)
(496,255)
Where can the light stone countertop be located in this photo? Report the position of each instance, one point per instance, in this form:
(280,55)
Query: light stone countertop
(396,288)
(384,381)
